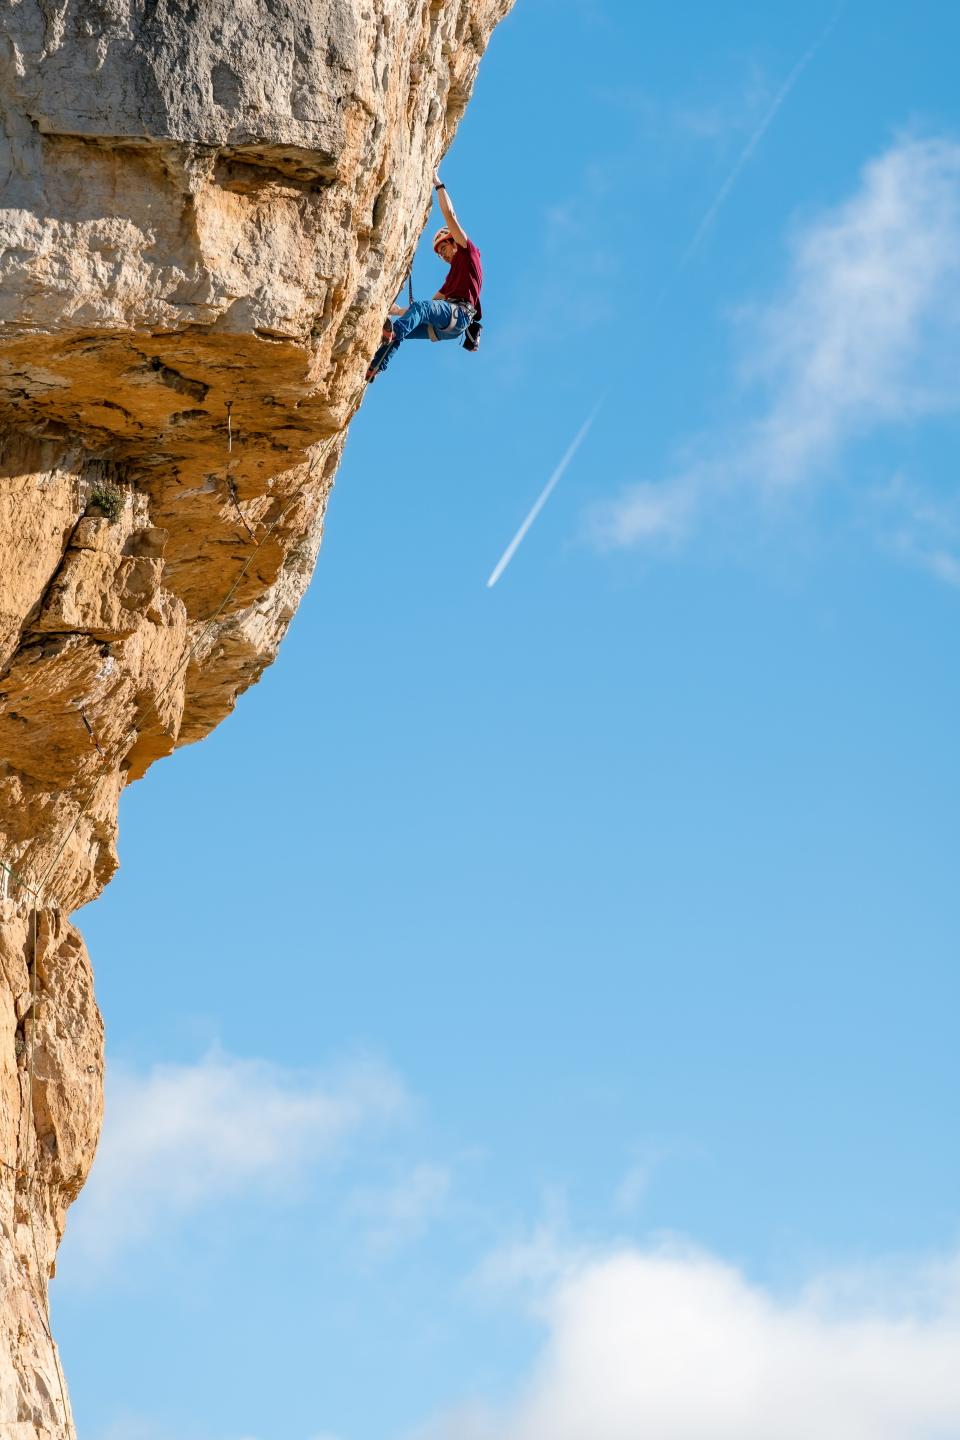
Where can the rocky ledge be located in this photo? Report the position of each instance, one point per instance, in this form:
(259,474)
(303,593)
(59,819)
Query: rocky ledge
(204,213)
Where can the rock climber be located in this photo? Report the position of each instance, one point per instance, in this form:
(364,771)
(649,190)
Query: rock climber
(456,306)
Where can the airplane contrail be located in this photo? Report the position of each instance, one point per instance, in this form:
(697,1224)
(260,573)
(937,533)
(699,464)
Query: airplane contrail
(541,499)
(701,230)
(756,137)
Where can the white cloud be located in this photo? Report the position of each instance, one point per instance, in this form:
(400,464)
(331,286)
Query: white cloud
(647,1160)
(133,1427)
(766,120)
(533,1263)
(719,121)
(922,528)
(394,1215)
(634,1187)
(941,564)
(182,1137)
(720,111)
(866,330)
(568,256)
(645,512)
(672,1344)
(863,334)
(128,1426)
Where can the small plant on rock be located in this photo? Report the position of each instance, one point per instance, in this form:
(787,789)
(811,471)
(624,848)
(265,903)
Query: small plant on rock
(106,498)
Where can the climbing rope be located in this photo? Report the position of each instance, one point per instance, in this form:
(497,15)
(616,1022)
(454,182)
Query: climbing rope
(353,405)
(37,890)
(374,369)
(232,488)
(89,729)
(231,482)
(43,1310)
(44,1313)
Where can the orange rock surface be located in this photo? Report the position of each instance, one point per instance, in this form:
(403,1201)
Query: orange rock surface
(204,214)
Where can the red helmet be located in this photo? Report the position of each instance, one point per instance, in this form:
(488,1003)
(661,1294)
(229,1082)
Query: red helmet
(442,234)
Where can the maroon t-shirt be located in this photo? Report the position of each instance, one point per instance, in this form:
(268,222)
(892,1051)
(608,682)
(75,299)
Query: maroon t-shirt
(465,276)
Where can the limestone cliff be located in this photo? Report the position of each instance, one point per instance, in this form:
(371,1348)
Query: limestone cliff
(204,211)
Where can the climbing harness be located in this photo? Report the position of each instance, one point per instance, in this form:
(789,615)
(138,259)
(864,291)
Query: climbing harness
(455,305)
(470,339)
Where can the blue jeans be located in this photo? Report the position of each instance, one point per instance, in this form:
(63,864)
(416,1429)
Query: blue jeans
(448,321)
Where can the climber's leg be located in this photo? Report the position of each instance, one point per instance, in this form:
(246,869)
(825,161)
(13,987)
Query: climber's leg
(388,349)
(416,323)
(380,360)
(412,324)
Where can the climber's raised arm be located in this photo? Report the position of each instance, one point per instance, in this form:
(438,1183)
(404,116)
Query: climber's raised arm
(454,312)
(449,214)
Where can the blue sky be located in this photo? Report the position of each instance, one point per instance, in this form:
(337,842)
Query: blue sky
(531,1012)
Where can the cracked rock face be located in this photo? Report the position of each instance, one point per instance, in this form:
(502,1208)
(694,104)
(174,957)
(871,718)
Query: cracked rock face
(51,1053)
(205,210)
